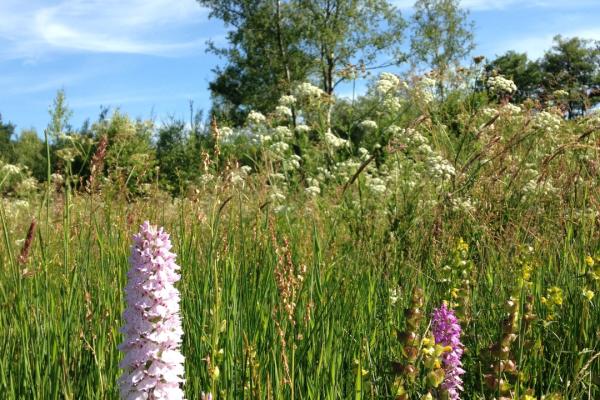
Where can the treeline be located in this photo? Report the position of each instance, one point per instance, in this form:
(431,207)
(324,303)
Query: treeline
(276,45)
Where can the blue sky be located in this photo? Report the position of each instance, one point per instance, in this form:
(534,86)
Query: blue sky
(148,57)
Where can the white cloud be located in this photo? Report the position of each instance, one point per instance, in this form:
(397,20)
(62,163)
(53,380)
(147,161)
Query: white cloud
(157,27)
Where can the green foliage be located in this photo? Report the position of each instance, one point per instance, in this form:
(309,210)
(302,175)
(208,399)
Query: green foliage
(130,159)
(7,130)
(442,36)
(276,44)
(31,152)
(176,159)
(572,65)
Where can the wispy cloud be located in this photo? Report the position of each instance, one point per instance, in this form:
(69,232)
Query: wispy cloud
(156,27)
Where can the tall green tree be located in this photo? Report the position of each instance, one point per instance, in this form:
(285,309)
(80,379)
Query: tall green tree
(573,65)
(7,130)
(31,152)
(264,56)
(175,155)
(273,44)
(342,33)
(442,36)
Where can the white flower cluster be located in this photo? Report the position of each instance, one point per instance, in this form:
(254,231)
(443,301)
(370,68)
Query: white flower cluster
(27,185)
(335,141)
(387,84)
(313,188)
(287,100)
(255,118)
(291,163)
(462,205)
(425,89)
(239,177)
(489,112)
(11,169)
(534,189)
(375,184)
(279,148)
(302,128)
(283,112)
(368,125)
(547,122)
(439,167)
(282,132)
(308,92)
(435,165)
(511,109)
(500,85)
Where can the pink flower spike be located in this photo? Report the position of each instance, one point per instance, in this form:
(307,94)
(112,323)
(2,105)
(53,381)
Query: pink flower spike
(446,330)
(153,363)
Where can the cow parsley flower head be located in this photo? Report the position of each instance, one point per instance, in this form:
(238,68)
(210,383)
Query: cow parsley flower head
(446,331)
(368,125)
(500,85)
(153,363)
(287,100)
(256,118)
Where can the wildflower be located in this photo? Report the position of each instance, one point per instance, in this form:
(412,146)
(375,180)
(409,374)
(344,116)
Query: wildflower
(394,295)
(589,261)
(387,83)
(368,125)
(313,190)
(153,364)
(206,396)
(10,169)
(500,85)
(335,141)
(547,122)
(447,331)
(287,100)
(302,128)
(283,111)
(255,118)
(308,92)
(282,132)
(587,293)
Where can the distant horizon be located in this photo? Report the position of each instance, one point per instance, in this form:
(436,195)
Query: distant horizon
(154,63)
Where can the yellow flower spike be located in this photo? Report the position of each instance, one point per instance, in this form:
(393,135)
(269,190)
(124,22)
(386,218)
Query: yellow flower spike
(589,261)
(587,293)
(429,351)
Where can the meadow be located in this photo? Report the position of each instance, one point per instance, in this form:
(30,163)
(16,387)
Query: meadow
(312,258)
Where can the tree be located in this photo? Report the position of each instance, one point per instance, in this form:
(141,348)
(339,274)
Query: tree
(263,58)
(7,130)
(275,44)
(175,155)
(573,65)
(31,152)
(526,74)
(342,33)
(442,36)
